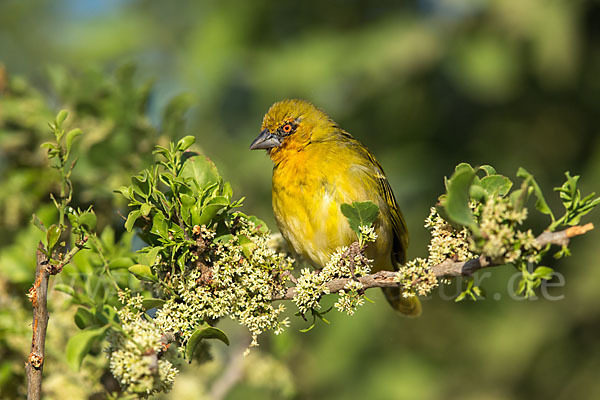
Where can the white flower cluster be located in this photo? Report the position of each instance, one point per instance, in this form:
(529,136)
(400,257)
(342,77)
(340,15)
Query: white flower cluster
(498,225)
(416,277)
(244,276)
(345,262)
(367,233)
(446,241)
(135,352)
(310,287)
(350,298)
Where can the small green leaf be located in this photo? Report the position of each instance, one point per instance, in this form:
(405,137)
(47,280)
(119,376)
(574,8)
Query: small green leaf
(88,219)
(308,329)
(206,332)
(145,209)
(49,146)
(38,223)
(120,263)
(143,272)
(60,118)
(461,297)
(457,200)
(160,226)
(152,303)
(209,210)
(148,255)
(543,272)
(360,214)
(131,218)
(488,169)
(83,318)
(141,184)
(71,136)
(540,204)
(496,185)
(227,190)
(61,287)
(52,236)
(185,142)
(79,345)
(226,238)
(260,225)
(248,246)
(126,191)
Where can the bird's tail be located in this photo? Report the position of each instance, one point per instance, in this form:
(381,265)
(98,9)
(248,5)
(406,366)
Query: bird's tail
(409,306)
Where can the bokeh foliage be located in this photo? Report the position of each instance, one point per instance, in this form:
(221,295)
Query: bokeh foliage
(424,84)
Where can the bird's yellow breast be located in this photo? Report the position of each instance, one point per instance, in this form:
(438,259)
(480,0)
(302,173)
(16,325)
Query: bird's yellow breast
(308,188)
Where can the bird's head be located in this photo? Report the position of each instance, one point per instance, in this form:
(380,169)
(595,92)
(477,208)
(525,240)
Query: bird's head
(292,125)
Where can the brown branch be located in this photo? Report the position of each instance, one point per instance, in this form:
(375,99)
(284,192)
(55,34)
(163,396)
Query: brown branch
(450,268)
(38,295)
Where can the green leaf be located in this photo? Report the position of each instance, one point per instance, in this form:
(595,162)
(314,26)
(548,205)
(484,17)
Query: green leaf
(49,146)
(131,218)
(52,236)
(200,170)
(141,184)
(83,318)
(152,303)
(149,255)
(88,219)
(120,263)
(61,287)
(260,225)
(160,226)
(38,223)
(540,204)
(207,332)
(143,272)
(496,185)
(185,142)
(488,169)
(71,136)
(60,118)
(187,202)
(145,209)
(543,272)
(227,190)
(126,191)
(457,200)
(360,214)
(79,345)
(226,238)
(209,210)
(309,328)
(248,246)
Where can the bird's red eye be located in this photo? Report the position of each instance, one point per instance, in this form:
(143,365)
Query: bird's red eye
(287,128)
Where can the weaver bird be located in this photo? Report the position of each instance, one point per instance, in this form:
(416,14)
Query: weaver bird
(317,167)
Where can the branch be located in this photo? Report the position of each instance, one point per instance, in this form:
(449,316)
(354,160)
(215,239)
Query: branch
(450,268)
(38,295)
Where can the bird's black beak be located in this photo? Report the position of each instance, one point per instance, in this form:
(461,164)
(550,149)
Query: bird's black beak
(265,140)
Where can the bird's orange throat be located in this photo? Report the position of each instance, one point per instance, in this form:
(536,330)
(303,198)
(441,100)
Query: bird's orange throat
(290,148)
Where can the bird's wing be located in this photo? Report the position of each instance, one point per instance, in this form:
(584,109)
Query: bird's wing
(400,244)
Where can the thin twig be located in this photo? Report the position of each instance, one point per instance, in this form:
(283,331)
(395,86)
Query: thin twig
(449,268)
(232,374)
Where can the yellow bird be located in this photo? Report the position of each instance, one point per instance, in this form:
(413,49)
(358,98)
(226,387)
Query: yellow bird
(318,167)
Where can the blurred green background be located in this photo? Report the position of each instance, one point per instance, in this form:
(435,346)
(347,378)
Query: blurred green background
(424,84)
